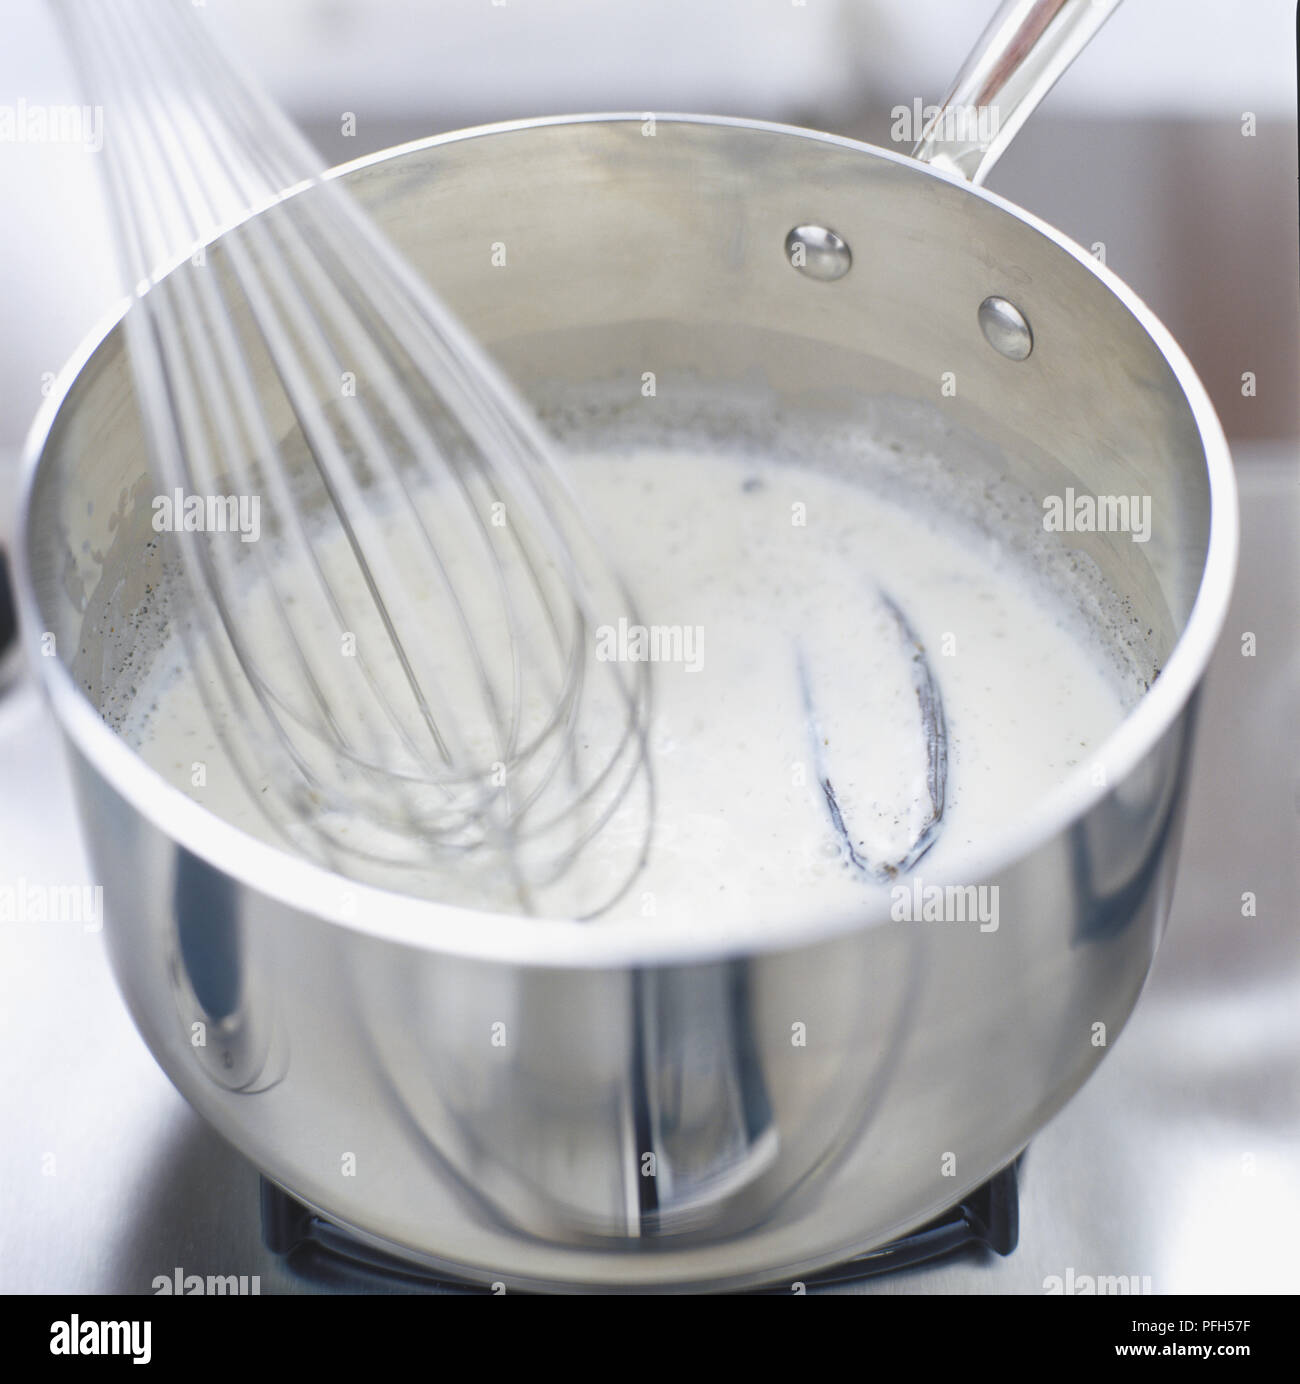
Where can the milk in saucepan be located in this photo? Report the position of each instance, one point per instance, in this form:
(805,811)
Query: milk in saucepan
(775,591)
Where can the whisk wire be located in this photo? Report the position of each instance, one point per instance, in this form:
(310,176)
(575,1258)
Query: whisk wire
(491,736)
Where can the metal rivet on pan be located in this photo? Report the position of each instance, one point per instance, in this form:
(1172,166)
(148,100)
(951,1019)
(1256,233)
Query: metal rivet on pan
(1006,328)
(818,252)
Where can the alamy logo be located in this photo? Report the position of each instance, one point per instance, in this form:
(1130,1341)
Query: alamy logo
(914,901)
(38,124)
(25,902)
(182,513)
(75,1337)
(182,1284)
(955,124)
(1097,1285)
(628,643)
(1071,513)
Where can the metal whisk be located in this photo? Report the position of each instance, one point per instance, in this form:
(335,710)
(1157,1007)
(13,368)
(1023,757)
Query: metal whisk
(392,586)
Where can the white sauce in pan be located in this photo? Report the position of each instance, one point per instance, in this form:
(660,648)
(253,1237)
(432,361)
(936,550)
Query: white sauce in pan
(797,675)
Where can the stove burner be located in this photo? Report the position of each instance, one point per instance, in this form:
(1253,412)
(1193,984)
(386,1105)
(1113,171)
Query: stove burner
(314,1248)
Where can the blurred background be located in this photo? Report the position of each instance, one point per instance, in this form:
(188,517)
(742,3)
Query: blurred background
(1172,143)
(1143,147)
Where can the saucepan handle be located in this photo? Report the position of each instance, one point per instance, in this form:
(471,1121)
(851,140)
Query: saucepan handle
(1020,55)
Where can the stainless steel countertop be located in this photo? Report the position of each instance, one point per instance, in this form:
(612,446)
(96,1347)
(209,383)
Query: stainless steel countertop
(1179,1161)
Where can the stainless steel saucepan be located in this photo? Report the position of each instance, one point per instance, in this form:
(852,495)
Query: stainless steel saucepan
(541,1102)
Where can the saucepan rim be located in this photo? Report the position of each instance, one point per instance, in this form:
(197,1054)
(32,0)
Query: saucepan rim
(314,890)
